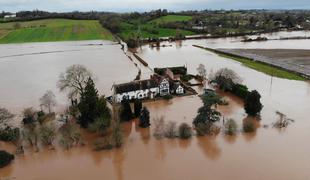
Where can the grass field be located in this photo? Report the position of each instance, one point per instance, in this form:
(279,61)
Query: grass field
(151,29)
(261,67)
(171,18)
(52,30)
(264,68)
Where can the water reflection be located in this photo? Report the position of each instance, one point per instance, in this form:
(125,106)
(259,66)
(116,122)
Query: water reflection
(209,147)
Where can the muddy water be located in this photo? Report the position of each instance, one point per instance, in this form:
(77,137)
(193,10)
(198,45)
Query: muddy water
(266,154)
(27,71)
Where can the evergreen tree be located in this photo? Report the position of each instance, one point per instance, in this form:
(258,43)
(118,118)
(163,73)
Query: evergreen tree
(88,104)
(145,118)
(252,105)
(126,112)
(137,107)
(207,113)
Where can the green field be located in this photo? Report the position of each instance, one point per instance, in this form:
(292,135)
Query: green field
(264,68)
(171,18)
(261,67)
(152,29)
(52,30)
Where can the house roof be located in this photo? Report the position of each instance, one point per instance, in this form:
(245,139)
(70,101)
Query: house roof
(135,85)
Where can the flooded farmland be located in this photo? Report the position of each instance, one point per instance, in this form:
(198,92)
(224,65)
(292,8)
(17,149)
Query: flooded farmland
(268,153)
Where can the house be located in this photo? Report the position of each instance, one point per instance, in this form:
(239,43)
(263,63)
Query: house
(10,16)
(156,86)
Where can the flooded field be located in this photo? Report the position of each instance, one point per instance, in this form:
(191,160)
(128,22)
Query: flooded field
(269,153)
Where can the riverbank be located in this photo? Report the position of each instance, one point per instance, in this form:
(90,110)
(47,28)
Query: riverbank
(271,68)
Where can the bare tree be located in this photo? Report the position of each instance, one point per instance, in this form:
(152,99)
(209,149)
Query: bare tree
(5,116)
(228,74)
(74,80)
(48,100)
(202,71)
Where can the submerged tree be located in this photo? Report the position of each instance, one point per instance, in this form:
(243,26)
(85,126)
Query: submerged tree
(208,113)
(252,105)
(145,118)
(137,107)
(88,104)
(48,100)
(202,71)
(226,78)
(5,116)
(126,112)
(74,80)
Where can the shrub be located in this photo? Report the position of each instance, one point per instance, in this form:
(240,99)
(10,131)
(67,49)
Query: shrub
(5,158)
(137,107)
(9,134)
(207,129)
(248,126)
(231,127)
(252,104)
(171,130)
(117,135)
(100,125)
(168,97)
(159,130)
(103,144)
(70,135)
(240,90)
(145,118)
(185,131)
(47,134)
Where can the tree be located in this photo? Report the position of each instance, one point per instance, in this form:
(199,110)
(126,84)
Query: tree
(126,112)
(226,78)
(231,127)
(207,113)
(137,107)
(29,116)
(5,116)
(145,118)
(47,134)
(48,100)
(252,105)
(185,131)
(202,71)
(88,104)
(74,80)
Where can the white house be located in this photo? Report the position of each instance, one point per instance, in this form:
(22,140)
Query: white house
(10,16)
(147,89)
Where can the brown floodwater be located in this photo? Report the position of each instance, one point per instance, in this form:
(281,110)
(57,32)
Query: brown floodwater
(268,153)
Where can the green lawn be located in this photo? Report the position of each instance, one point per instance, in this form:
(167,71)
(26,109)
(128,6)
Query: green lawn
(52,30)
(171,18)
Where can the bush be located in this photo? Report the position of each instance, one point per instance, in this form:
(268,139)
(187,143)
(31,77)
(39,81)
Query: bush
(9,134)
(47,134)
(185,131)
(137,107)
(145,118)
(248,127)
(207,129)
(159,130)
(231,127)
(252,104)
(5,158)
(171,130)
(99,126)
(240,90)
(117,135)
(168,97)
(103,144)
